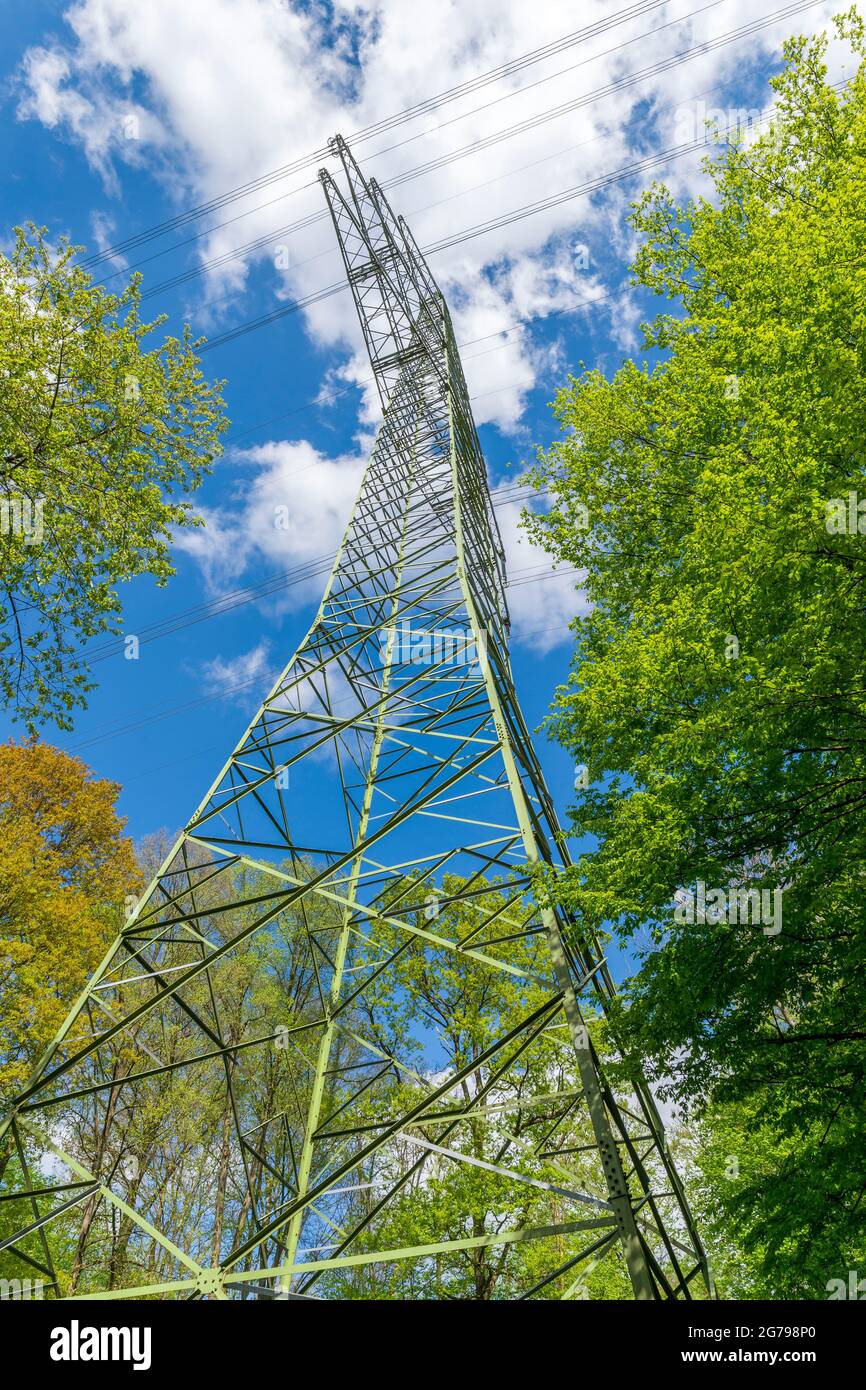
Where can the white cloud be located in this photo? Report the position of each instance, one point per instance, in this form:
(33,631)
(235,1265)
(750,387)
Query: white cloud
(103,229)
(224,677)
(542,600)
(229,89)
(63,92)
(625,319)
(290,508)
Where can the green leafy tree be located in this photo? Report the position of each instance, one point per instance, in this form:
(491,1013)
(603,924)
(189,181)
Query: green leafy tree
(759,1245)
(101,434)
(712,496)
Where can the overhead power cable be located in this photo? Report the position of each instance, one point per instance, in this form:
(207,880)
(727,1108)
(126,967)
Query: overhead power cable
(519,214)
(450,157)
(474,147)
(238,598)
(424,107)
(166,712)
(442,161)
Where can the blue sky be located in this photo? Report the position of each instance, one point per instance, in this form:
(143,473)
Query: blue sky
(117,117)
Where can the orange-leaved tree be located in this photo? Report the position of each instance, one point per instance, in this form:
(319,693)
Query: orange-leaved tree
(65,870)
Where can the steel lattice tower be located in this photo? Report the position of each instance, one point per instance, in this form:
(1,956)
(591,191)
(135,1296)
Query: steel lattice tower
(400,700)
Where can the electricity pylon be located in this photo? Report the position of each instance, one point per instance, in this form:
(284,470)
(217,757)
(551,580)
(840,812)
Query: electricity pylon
(383,813)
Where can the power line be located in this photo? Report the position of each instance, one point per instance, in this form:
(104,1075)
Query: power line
(379,127)
(567,106)
(237,598)
(442,161)
(166,712)
(519,214)
(327,291)
(494,224)
(475,147)
(508,328)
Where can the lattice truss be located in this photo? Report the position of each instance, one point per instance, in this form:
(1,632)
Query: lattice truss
(370,841)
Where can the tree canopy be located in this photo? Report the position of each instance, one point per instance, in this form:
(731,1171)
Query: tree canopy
(712,494)
(101,435)
(66,869)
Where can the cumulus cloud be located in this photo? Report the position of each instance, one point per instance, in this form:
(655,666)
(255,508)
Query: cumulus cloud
(225,90)
(289,508)
(221,676)
(211,94)
(65,93)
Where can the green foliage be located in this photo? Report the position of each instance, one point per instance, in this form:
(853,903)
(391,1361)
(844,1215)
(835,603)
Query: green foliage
(100,434)
(717,692)
(762,1244)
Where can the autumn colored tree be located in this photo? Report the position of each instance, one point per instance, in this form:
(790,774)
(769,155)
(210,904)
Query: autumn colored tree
(65,871)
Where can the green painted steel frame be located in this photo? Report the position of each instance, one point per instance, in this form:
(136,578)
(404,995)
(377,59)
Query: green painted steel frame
(421,542)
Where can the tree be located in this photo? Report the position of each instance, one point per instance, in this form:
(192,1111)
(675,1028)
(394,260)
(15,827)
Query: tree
(717,693)
(99,433)
(65,871)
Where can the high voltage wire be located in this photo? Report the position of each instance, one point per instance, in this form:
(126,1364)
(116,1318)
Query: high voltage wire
(494,224)
(167,712)
(443,161)
(474,147)
(618,84)
(508,328)
(473,84)
(379,127)
(566,106)
(518,215)
(339,286)
(237,598)
(580,190)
